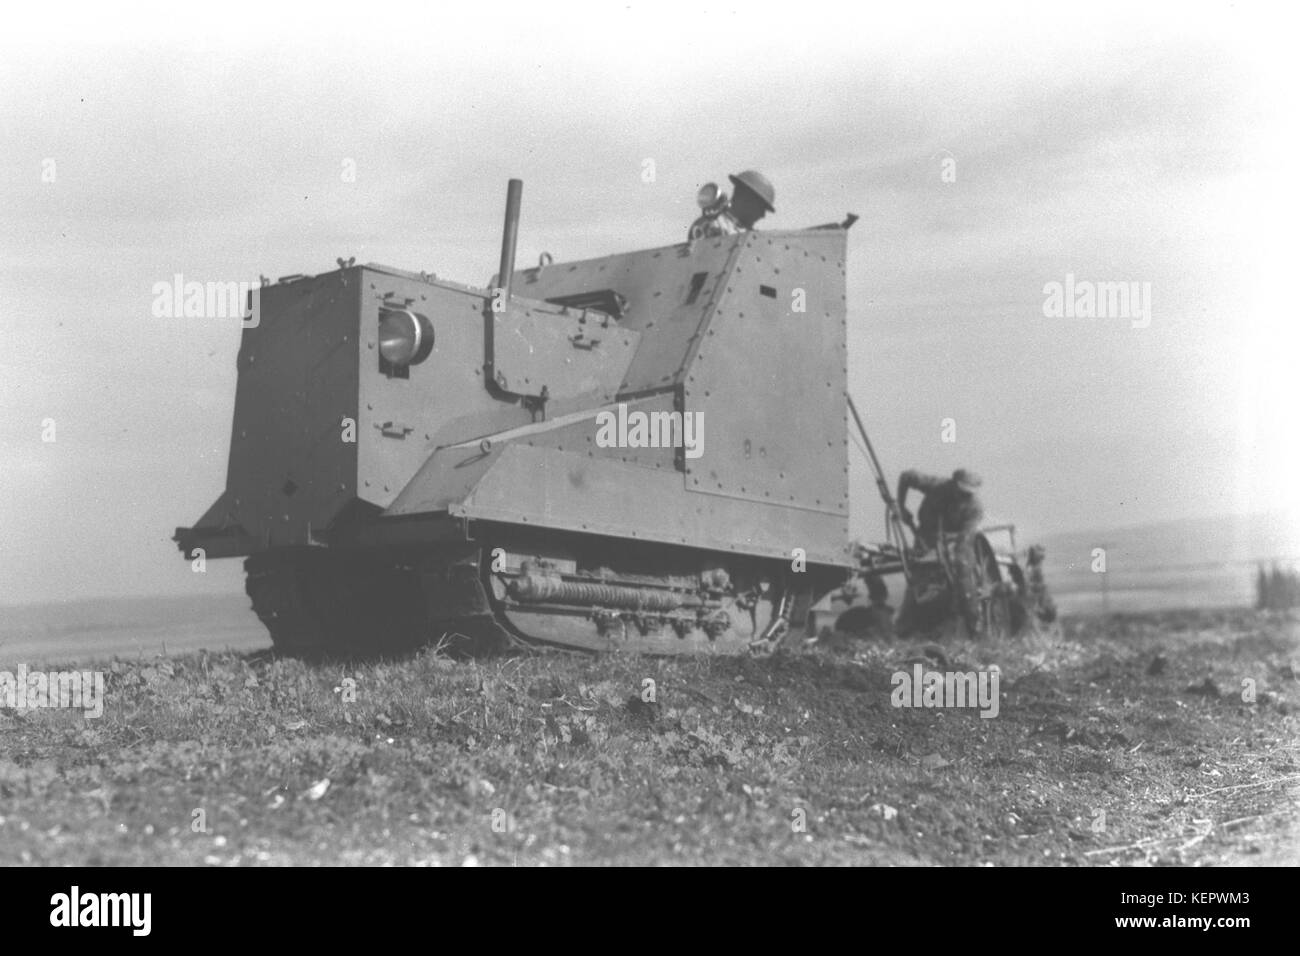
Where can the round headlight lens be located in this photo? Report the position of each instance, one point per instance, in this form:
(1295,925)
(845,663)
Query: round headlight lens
(404,337)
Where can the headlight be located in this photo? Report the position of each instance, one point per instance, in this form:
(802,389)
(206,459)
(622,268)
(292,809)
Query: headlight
(708,195)
(404,337)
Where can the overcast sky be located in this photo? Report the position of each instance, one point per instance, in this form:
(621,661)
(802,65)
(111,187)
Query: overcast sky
(1115,146)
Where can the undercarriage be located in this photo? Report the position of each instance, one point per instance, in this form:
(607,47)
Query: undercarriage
(516,586)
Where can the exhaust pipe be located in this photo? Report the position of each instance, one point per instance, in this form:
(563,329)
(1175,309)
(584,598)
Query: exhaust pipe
(499,301)
(509,238)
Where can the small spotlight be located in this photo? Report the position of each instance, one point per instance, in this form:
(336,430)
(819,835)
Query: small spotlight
(709,196)
(404,337)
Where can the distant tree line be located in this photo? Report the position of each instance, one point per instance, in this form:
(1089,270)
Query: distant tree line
(1277,588)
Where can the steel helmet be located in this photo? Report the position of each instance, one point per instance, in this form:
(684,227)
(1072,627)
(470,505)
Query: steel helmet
(758,184)
(966,480)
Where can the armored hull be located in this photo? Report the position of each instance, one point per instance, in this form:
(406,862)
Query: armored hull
(646,450)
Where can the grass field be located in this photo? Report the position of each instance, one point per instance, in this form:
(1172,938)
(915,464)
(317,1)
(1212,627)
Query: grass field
(1116,742)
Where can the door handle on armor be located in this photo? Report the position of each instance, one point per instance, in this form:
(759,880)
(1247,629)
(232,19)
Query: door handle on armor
(394,430)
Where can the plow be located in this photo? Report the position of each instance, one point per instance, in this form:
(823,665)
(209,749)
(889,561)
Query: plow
(975,579)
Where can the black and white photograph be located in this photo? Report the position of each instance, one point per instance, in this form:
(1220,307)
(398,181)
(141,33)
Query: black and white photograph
(650,434)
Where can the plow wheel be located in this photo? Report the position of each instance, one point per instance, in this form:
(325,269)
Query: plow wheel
(961,580)
(993,598)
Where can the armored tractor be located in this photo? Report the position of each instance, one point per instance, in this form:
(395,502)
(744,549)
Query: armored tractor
(647,450)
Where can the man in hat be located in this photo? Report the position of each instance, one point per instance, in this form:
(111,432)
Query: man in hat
(752,200)
(949,504)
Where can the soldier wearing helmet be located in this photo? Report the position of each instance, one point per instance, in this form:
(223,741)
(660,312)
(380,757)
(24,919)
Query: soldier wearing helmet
(753,199)
(949,504)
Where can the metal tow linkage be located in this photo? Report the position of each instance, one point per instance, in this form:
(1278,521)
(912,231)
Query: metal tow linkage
(767,642)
